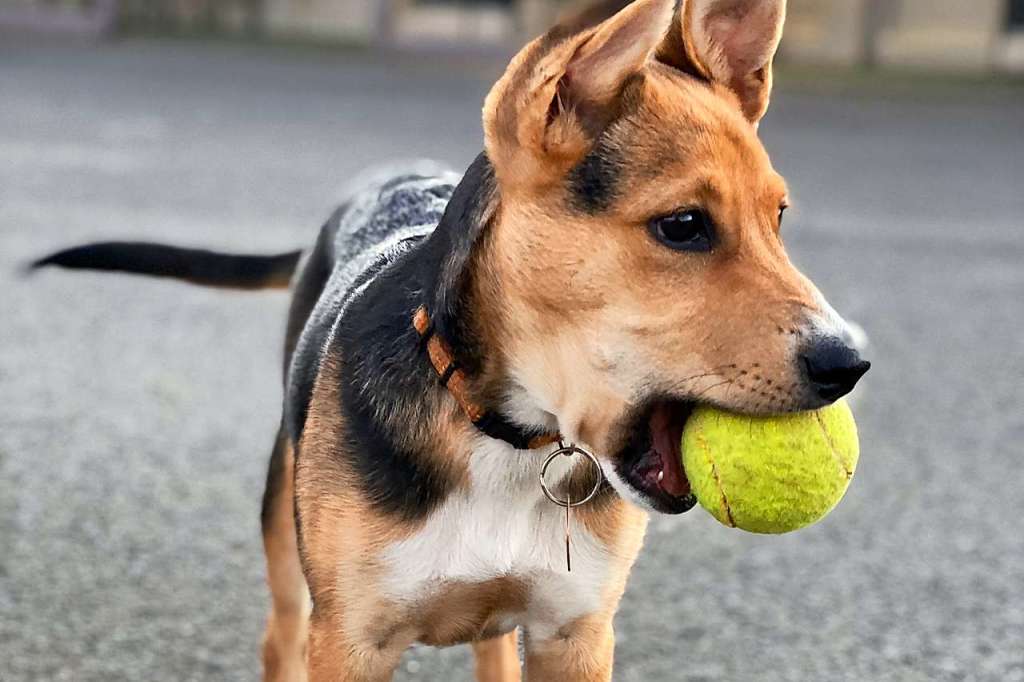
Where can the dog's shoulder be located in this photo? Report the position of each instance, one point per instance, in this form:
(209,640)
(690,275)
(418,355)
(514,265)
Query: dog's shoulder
(387,211)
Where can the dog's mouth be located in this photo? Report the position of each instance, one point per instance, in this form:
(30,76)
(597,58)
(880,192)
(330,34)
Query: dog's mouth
(651,461)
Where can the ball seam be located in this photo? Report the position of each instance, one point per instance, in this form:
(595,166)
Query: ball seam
(718,481)
(832,446)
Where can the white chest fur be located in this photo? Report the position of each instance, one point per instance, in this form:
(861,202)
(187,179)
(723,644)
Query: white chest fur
(503,526)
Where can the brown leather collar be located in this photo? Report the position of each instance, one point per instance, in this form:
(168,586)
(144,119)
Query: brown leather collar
(454,379)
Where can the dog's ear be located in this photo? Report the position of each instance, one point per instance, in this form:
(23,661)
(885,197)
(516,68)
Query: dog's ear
(564,88)
(730,42)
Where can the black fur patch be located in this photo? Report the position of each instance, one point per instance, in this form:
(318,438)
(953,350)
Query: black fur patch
(301,371)
(386,387)
(593,184)
(452,244)
(308,286)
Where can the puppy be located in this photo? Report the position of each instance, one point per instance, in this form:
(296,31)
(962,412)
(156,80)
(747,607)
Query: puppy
(613,258)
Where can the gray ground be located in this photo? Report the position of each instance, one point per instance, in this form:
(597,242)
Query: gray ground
(137,415)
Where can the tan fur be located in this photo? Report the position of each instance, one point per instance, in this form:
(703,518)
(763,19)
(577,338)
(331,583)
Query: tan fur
(619,526)
(466,612)
(497,659)
(342,535)
(284,643)
(581,652)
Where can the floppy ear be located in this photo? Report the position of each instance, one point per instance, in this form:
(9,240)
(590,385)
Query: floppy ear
(563,89)
(730,42)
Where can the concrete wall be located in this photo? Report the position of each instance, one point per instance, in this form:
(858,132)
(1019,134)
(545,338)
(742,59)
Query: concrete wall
(948,34)
(450,25)
(941,34)
(356,20)
(967,35)
(1010,56)
(826,31)
(68,19)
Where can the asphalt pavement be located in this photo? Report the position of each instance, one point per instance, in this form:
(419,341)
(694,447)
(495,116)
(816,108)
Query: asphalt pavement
(137,415)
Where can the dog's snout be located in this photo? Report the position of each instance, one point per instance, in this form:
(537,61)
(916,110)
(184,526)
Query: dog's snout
(831,367)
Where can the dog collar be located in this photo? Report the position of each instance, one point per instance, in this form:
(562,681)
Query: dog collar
(490,423)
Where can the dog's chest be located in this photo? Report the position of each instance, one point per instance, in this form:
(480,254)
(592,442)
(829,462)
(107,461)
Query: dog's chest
(502,532)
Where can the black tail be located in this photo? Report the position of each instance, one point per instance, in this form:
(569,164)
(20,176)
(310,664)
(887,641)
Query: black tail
(206,268)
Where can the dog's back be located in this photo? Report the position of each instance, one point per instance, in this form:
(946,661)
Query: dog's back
(387,213)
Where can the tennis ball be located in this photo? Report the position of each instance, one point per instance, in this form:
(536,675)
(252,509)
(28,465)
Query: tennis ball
(770,474)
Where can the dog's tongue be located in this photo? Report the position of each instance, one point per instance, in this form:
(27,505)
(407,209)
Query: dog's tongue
(666,437)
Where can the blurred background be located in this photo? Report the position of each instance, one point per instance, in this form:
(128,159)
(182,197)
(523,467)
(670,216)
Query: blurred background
(982,35)
(137,415)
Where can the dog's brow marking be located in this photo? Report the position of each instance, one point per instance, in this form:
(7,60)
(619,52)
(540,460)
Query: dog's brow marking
(594,182)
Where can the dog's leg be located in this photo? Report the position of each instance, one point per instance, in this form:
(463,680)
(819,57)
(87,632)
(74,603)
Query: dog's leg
(335,658)
(284,643)
(497,660)
(579,652)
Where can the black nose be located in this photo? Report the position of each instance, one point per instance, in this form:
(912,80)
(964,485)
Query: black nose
(832,368)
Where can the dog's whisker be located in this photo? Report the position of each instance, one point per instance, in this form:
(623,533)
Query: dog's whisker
(714,371)
(712,387)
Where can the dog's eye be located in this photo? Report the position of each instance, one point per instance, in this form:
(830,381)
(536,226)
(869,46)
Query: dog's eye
(684,231)
(782,212)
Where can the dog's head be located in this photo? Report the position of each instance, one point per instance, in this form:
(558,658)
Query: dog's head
(636,248)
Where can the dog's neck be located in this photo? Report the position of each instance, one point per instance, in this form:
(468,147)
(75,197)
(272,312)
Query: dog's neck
(469,303)
(486,337)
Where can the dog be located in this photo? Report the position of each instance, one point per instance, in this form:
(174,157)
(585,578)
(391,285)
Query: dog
(612,259)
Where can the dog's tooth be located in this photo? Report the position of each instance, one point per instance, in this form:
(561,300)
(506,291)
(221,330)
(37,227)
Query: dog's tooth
(661,475)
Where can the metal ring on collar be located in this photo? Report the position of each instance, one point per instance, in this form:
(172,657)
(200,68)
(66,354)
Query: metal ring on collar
(569,451)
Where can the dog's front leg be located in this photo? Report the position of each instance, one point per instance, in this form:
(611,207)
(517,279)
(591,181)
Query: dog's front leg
(497,660)
(579,652)
(333,657)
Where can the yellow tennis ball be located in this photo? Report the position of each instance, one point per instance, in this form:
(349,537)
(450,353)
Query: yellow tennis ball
(770,474)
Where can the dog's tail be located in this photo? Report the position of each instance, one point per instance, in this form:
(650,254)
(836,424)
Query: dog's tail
(197,266)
